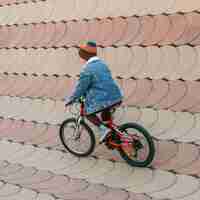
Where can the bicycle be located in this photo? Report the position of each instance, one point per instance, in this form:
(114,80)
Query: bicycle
(119,138)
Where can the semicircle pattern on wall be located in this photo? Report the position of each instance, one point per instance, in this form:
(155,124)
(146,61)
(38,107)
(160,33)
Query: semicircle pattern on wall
(153,51)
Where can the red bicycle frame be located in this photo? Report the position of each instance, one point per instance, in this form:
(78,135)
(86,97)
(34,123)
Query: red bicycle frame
(126,140)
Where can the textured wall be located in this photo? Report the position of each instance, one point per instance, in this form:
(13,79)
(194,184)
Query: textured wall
(152,48)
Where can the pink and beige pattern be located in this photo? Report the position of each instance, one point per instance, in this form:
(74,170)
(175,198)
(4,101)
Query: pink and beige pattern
(168,62)
(153,51)
(62,10)
(173,29)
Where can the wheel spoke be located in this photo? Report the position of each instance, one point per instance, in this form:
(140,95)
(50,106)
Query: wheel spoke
(141,150)
(78,140)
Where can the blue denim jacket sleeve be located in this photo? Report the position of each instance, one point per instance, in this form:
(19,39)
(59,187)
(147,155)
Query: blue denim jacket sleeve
(82,85)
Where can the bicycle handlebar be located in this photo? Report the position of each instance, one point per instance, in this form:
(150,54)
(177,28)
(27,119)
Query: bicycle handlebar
(81,100)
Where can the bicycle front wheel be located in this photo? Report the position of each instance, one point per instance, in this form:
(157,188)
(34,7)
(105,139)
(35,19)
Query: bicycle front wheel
(80,141)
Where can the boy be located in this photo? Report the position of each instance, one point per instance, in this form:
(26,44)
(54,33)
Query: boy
(97,86)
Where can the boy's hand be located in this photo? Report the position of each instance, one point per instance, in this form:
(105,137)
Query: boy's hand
(68,103)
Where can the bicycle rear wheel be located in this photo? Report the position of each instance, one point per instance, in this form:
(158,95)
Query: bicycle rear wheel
(142,150)
(80,142)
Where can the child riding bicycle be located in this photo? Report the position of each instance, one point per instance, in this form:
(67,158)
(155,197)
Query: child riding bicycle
(97,86)
(101,94)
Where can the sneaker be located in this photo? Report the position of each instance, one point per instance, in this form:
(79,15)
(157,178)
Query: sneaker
(103,133)
(115,156)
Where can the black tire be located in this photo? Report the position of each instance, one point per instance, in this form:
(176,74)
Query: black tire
(90,134)
(150,143)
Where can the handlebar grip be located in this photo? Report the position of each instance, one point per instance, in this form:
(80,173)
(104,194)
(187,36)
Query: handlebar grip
(81,99)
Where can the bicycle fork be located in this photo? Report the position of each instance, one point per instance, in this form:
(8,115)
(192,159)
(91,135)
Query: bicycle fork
(77,132)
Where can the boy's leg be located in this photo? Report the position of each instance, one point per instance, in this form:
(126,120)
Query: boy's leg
(102,129)
(94,119)
(106,115)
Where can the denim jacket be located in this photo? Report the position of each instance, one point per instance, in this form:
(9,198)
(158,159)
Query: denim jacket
(97,86)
